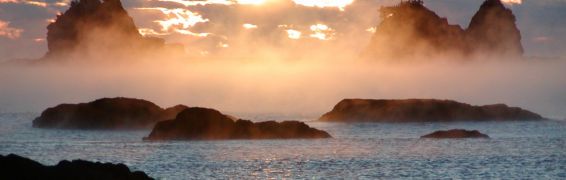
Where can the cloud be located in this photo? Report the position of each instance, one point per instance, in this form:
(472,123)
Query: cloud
(9,32)
(176,20)
(340,4)
(512,1)
(34,3)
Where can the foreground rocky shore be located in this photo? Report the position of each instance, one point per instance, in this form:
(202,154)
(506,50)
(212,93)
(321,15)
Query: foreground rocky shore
(17,167)
(422,110)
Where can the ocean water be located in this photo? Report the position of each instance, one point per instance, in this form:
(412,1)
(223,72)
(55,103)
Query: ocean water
(516,150)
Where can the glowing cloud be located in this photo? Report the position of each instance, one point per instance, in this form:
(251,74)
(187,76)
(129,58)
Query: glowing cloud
(151,32)
(249,26)
(293,34)
(33,3)
(187,32)
(251,2)
(177,20)
(322,32)
(371,30)
(9,32)
(512,1)
(220,2)
(199,2)
(340,4)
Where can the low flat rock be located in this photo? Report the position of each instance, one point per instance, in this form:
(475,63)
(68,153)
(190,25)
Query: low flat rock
(422,110)
(209,124)
(106,113)
(456,133)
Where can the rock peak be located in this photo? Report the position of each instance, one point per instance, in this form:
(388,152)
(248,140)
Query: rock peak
(409,29)
(92,27)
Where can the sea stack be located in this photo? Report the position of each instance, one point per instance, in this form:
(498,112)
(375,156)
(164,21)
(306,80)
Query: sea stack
(209,124)
(94,28)
(411,30)
(422,110)
(106,113)
(455,133)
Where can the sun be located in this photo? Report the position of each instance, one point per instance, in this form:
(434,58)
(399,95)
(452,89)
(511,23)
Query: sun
(252,2)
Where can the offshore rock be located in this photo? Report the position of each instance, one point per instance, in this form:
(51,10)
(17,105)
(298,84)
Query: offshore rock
(209,124)
(456,133)
(106,113)
(422,110)
(90,28)
(410,30)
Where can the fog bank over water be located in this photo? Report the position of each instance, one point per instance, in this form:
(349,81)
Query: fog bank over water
(293,87)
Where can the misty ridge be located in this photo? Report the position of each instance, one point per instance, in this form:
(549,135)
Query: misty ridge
(91,30)
(95,50)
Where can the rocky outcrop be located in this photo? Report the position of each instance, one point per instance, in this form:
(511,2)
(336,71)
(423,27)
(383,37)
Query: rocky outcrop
(106,113)
(209,124)
(17,167)
(493,30)
(456,133)
(422,110)
(410,30)
(94,28)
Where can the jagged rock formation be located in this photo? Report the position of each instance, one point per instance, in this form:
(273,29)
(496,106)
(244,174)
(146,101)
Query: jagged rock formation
(17,167)
(410,30)
(106,113)
(493,30)
(91,27)
(422,110)
(455,133)
(209,124)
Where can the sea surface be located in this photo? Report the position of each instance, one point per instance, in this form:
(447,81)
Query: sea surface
(516,150)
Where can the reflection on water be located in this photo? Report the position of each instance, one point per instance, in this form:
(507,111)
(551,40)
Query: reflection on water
(363,151)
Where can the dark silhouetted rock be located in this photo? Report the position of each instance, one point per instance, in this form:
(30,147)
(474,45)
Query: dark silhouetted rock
(209,124)
(422,110)
(456,133)
(94,28)
(410,30)
(493,30)
(106,113)
(17,167)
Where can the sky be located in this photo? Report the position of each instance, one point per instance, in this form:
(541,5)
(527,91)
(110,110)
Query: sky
(281,56)
(209,26)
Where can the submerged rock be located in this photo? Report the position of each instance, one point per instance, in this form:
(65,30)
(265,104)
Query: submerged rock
(106,113)
(410,30)
(456,133)
(422,110)
(17,167)
(209,124)
(95,28)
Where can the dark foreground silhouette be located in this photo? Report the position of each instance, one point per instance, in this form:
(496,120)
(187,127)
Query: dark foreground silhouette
(422,110)
(209,124)
(106,113)
(410,30)
(17,167)
(456,133)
